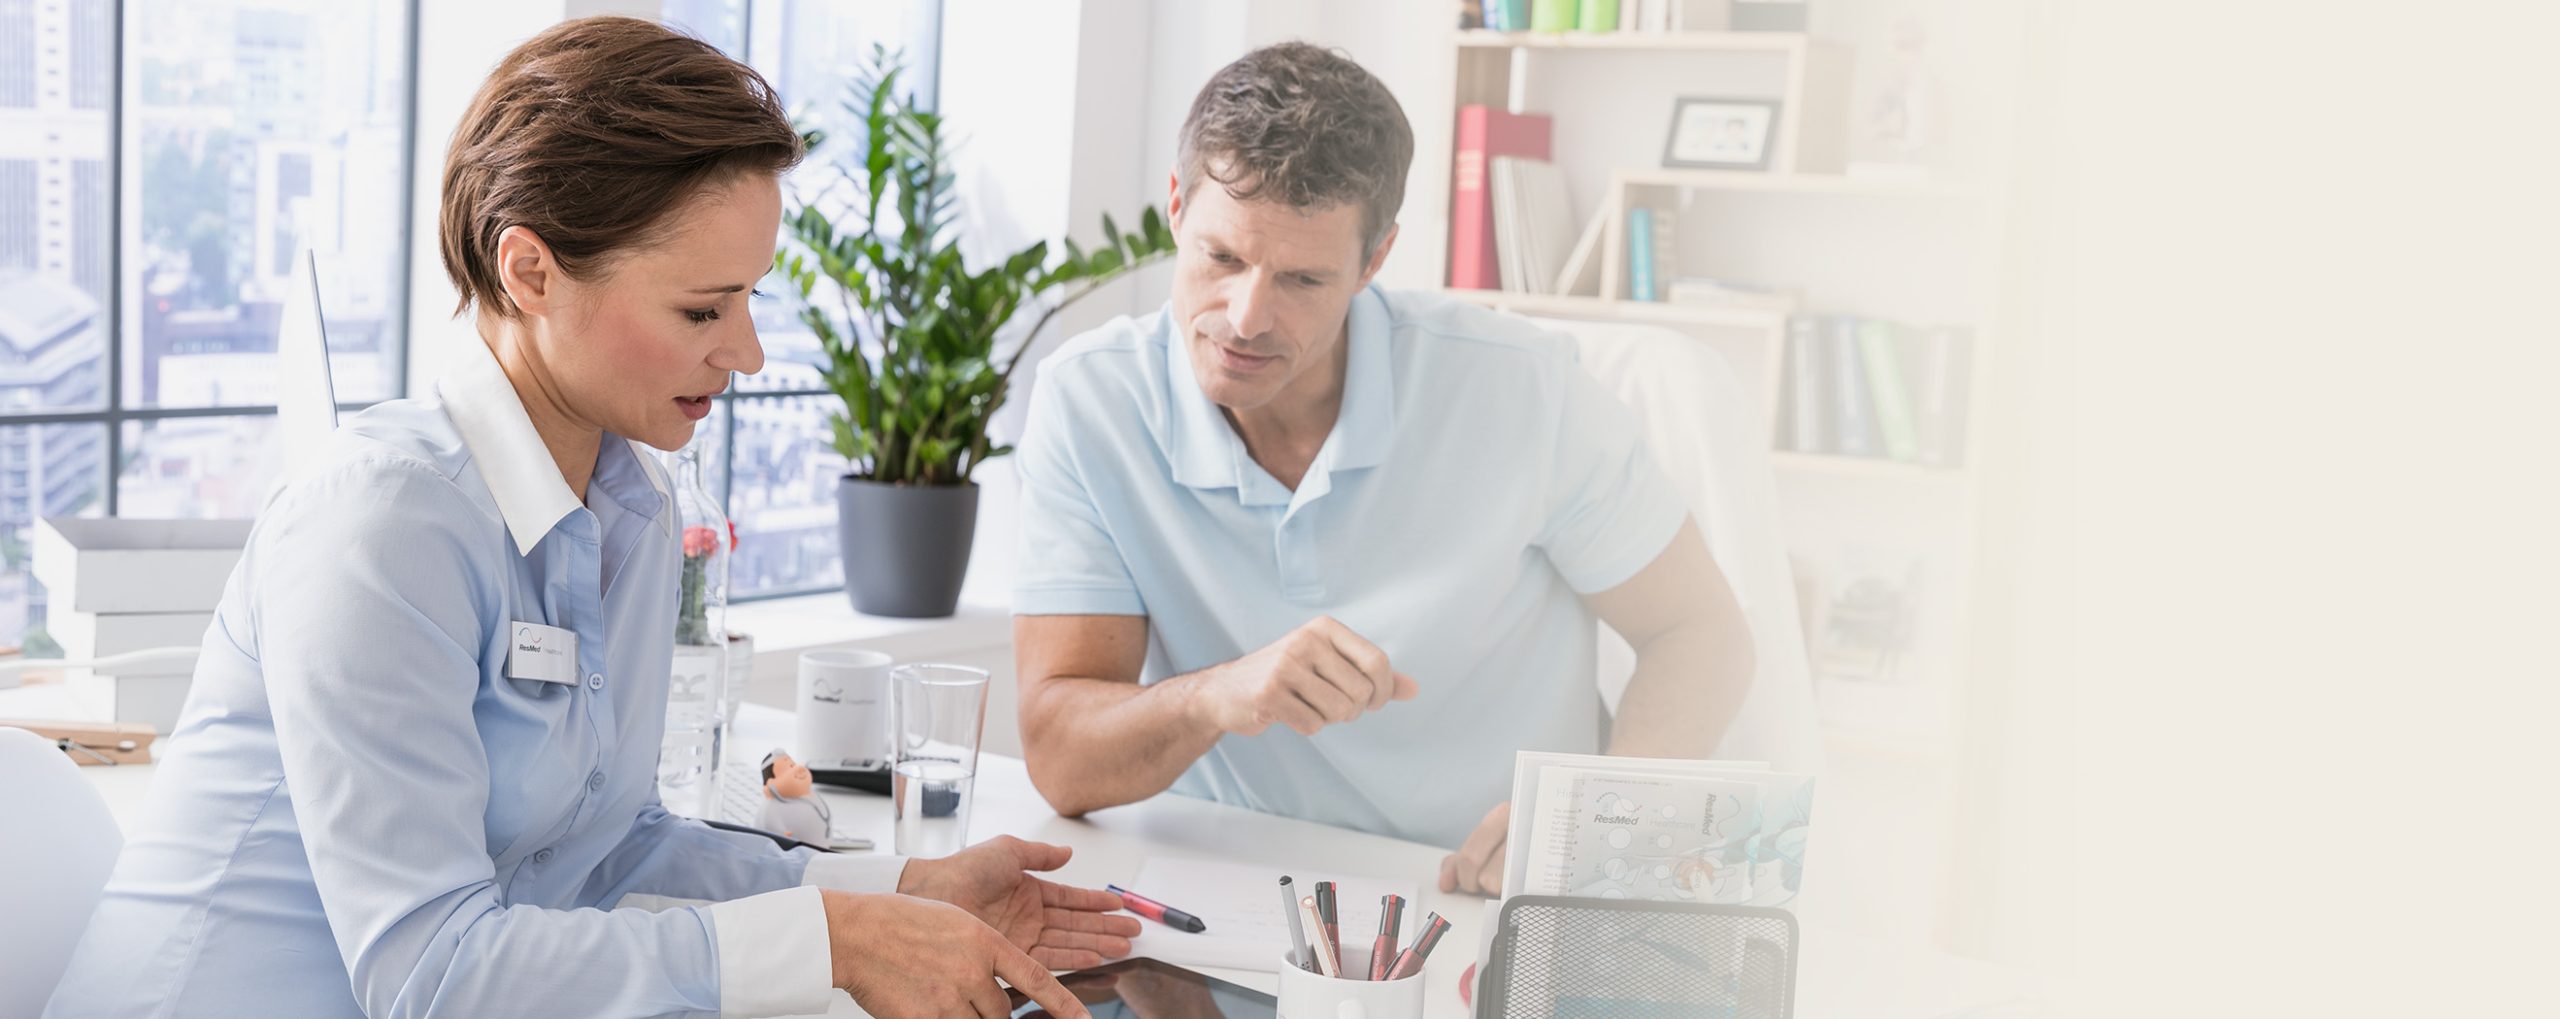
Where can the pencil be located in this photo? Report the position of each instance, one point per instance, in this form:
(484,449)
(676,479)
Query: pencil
(1326,962)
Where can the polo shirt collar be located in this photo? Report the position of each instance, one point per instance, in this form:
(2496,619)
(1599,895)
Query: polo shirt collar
(1205,452)
(532,496)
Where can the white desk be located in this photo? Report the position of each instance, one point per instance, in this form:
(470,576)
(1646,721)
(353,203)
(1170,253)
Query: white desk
(1841,975)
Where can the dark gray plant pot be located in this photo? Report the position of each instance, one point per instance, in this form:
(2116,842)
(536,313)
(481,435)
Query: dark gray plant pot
(905,548)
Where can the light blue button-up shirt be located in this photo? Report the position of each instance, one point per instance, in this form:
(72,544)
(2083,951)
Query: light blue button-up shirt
(1475,485)
(361,812)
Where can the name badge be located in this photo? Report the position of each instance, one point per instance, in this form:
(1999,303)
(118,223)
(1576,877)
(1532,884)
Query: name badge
(546,654)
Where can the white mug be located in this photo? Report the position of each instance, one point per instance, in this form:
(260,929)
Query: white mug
(842,719)
(1305,995)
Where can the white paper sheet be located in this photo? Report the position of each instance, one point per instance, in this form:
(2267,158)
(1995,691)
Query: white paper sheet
(1241,906)
(1666,831)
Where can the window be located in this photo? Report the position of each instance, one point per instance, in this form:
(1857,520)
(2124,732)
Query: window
(774,462)
(137,333)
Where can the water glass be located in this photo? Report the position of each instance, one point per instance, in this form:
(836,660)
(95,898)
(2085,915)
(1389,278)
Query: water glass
(940,711)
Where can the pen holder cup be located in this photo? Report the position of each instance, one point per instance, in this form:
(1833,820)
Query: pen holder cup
(1305,995)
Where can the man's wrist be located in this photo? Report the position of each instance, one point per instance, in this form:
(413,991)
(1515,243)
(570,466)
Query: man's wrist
(1192,705)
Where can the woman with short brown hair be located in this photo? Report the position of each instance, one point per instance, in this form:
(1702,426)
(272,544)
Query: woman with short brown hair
(416,770)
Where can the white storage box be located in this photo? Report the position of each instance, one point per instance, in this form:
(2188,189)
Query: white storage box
(98,635)
(120,565)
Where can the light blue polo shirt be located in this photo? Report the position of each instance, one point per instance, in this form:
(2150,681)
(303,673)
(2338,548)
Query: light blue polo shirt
(1476,483)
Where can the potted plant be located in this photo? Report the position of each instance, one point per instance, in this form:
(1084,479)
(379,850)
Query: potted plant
(910,343)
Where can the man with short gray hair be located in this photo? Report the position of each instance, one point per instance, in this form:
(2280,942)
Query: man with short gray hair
(1256,520)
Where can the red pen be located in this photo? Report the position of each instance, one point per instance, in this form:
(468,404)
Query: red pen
(1158,912)
(1411,961)
(1390,920)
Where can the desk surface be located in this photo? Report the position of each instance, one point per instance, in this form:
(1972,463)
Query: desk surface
(1841,974)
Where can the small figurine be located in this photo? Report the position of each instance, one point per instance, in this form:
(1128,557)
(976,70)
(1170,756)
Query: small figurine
(790,806)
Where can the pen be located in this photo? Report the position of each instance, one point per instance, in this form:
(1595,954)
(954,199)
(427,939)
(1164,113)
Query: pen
(1382,956)
(1330,913)
(1411,961)
(1326,964)
(1297,927)
(1158,912)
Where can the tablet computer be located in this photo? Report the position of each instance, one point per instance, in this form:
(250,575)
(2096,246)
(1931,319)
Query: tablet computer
(1148,989)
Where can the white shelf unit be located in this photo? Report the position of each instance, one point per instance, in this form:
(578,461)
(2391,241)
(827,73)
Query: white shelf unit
(1710,42)
(1896,749)
(1495,68)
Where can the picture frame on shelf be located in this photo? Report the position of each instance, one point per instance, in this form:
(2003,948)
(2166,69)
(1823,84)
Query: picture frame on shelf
(1721,134)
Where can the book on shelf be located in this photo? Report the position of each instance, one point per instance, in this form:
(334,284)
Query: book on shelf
(1554,15)
(1640,254)
(1533,223)
(1857,421)
(1874,388)
(1484,134)
(1807,404)
(1652,248)
(1599,16)
(1942,384)
(1596,16)
(1891,389)
(1581,275)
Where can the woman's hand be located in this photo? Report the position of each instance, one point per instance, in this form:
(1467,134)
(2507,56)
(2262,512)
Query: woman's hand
(1062,927)
(908,958)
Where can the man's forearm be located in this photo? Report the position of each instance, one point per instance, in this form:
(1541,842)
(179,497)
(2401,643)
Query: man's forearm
(1688,686)
(1095,743)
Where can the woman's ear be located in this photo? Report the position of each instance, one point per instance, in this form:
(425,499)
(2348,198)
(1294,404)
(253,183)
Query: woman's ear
(526,271)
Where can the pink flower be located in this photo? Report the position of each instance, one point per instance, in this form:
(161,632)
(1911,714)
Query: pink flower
(699,542)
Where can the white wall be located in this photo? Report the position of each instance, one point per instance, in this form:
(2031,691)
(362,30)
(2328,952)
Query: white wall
(459,41)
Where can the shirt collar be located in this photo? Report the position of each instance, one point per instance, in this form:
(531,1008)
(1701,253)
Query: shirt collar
(1205,452)
(532,496)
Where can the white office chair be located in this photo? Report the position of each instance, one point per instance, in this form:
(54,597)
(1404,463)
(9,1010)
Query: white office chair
(56,848)
(1697,419)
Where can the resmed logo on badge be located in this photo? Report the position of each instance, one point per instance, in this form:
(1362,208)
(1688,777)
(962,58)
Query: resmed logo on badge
(529,639)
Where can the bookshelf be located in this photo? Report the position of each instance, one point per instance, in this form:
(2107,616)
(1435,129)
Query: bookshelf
(1792,462)
(1908,245)
(1707,42)
(1797,183)
(1624,310)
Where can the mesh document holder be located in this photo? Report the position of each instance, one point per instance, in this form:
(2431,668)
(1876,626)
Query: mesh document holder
(1572,958)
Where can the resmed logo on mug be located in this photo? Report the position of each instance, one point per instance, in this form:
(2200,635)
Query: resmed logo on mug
(842,720)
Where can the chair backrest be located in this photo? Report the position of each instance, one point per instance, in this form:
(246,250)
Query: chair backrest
(1624,959)
(1699,421)
(57,845)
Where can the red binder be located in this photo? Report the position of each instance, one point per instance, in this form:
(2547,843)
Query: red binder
(1484,133)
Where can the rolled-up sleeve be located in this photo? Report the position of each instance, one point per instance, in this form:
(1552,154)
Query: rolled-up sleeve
(1068,563)
(372,604)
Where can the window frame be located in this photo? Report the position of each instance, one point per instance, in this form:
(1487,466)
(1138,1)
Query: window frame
(115,415)
(730,398)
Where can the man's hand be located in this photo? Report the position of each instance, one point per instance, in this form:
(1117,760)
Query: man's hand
(1476,868)
(908,958)
(1317,675)
(1062,927)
